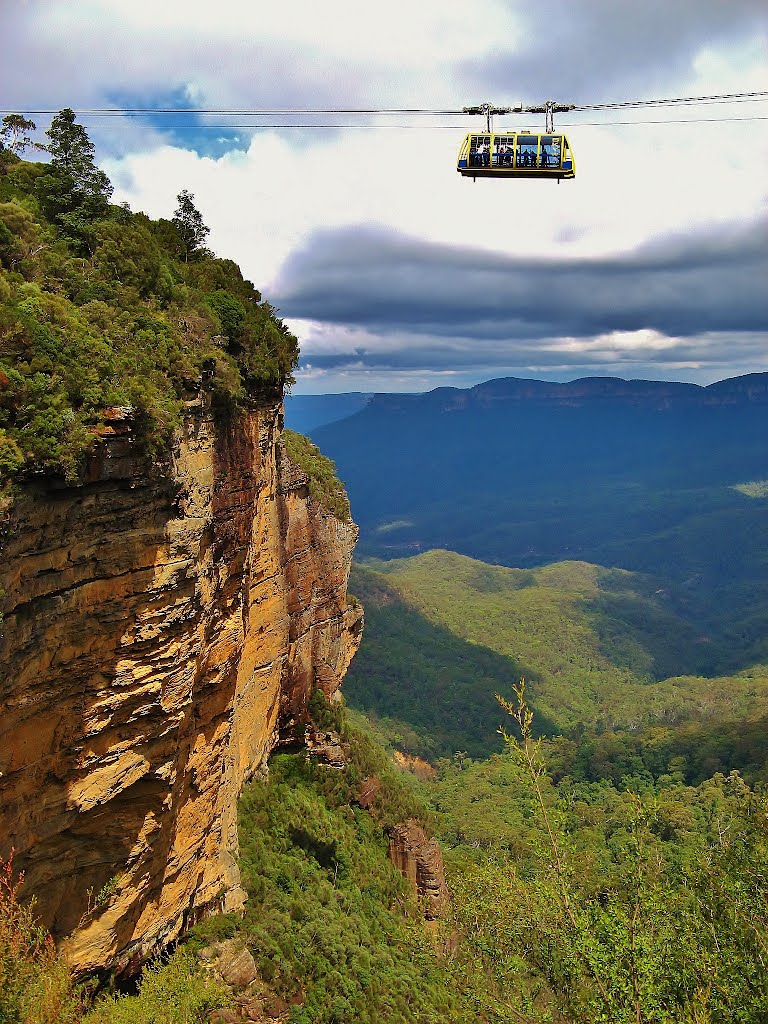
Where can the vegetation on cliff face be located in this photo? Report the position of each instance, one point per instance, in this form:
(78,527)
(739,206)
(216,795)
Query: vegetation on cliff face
(102,307)
(324,486)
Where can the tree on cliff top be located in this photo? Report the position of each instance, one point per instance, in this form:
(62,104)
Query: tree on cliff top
(188,221)
(75,192)
(15,134)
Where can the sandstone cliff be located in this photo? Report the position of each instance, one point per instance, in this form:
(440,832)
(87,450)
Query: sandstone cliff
(420,860)
(162,631)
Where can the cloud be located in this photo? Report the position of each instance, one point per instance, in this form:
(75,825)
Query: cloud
(600,50)
(241,53)
(384,282)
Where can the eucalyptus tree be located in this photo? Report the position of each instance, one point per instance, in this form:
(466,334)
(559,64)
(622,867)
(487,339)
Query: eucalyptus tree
(74,192)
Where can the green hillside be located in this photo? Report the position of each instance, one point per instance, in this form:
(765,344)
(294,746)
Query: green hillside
(600,648)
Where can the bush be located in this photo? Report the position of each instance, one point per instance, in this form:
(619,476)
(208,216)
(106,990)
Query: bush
(102,313)
(35,985)
(172,993)
(324,486)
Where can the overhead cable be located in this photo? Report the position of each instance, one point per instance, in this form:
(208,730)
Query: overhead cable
(733,97)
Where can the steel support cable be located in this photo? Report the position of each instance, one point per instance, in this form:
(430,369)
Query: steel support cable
(388,111)
(448,127)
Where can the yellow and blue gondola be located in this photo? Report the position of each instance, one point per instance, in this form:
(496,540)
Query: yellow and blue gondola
(516,155)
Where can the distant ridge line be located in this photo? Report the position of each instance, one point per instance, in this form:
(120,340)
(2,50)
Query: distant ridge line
(748,388)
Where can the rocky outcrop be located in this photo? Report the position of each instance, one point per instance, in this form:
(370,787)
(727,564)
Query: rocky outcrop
(415,765)
(421,862)
(162,630)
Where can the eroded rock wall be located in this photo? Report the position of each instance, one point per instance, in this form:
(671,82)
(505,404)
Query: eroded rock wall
(162,631)
(420,860)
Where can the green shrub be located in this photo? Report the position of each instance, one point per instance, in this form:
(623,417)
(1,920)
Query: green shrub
(176,992)
(324,486)
(35,985)
(97,310)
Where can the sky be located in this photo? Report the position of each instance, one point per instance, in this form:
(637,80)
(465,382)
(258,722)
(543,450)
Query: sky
(395,273)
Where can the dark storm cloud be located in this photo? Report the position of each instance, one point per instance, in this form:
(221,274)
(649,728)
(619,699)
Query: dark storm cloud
(721,355)
(601,50)
(388,284)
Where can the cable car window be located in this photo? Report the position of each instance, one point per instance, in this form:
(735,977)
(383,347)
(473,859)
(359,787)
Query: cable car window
(526,150)
(480,151)
(550,151)
(503,148)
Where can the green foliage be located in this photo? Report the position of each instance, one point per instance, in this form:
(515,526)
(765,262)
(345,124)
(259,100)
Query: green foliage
(443,633)
(97,311)
(619,908)
(16,134)
(175,992)
(230,312)
(74,193)
(328,918)
(324,485)
(188,221)
(35,986)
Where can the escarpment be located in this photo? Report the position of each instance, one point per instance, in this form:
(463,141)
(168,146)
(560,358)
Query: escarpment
(162,632)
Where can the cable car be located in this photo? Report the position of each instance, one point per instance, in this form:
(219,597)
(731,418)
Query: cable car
(522,154)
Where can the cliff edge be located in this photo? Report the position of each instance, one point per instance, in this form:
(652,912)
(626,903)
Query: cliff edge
(162,632)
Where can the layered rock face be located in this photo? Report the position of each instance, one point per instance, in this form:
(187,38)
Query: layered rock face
(421,861)
(162,632)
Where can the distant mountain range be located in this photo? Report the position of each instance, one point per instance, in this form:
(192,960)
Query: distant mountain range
(667,479)
(307,413)
(751,388)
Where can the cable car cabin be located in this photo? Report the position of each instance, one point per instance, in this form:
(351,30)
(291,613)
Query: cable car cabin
(516,155)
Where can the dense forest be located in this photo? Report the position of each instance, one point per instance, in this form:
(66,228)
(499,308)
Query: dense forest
(609,662)
(573,902)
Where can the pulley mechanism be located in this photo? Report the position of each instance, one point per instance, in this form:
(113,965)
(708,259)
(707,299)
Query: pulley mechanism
(511,153)
(488,110)
(548,109)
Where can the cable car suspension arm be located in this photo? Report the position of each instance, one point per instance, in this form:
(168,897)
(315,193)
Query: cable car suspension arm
(549,109)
